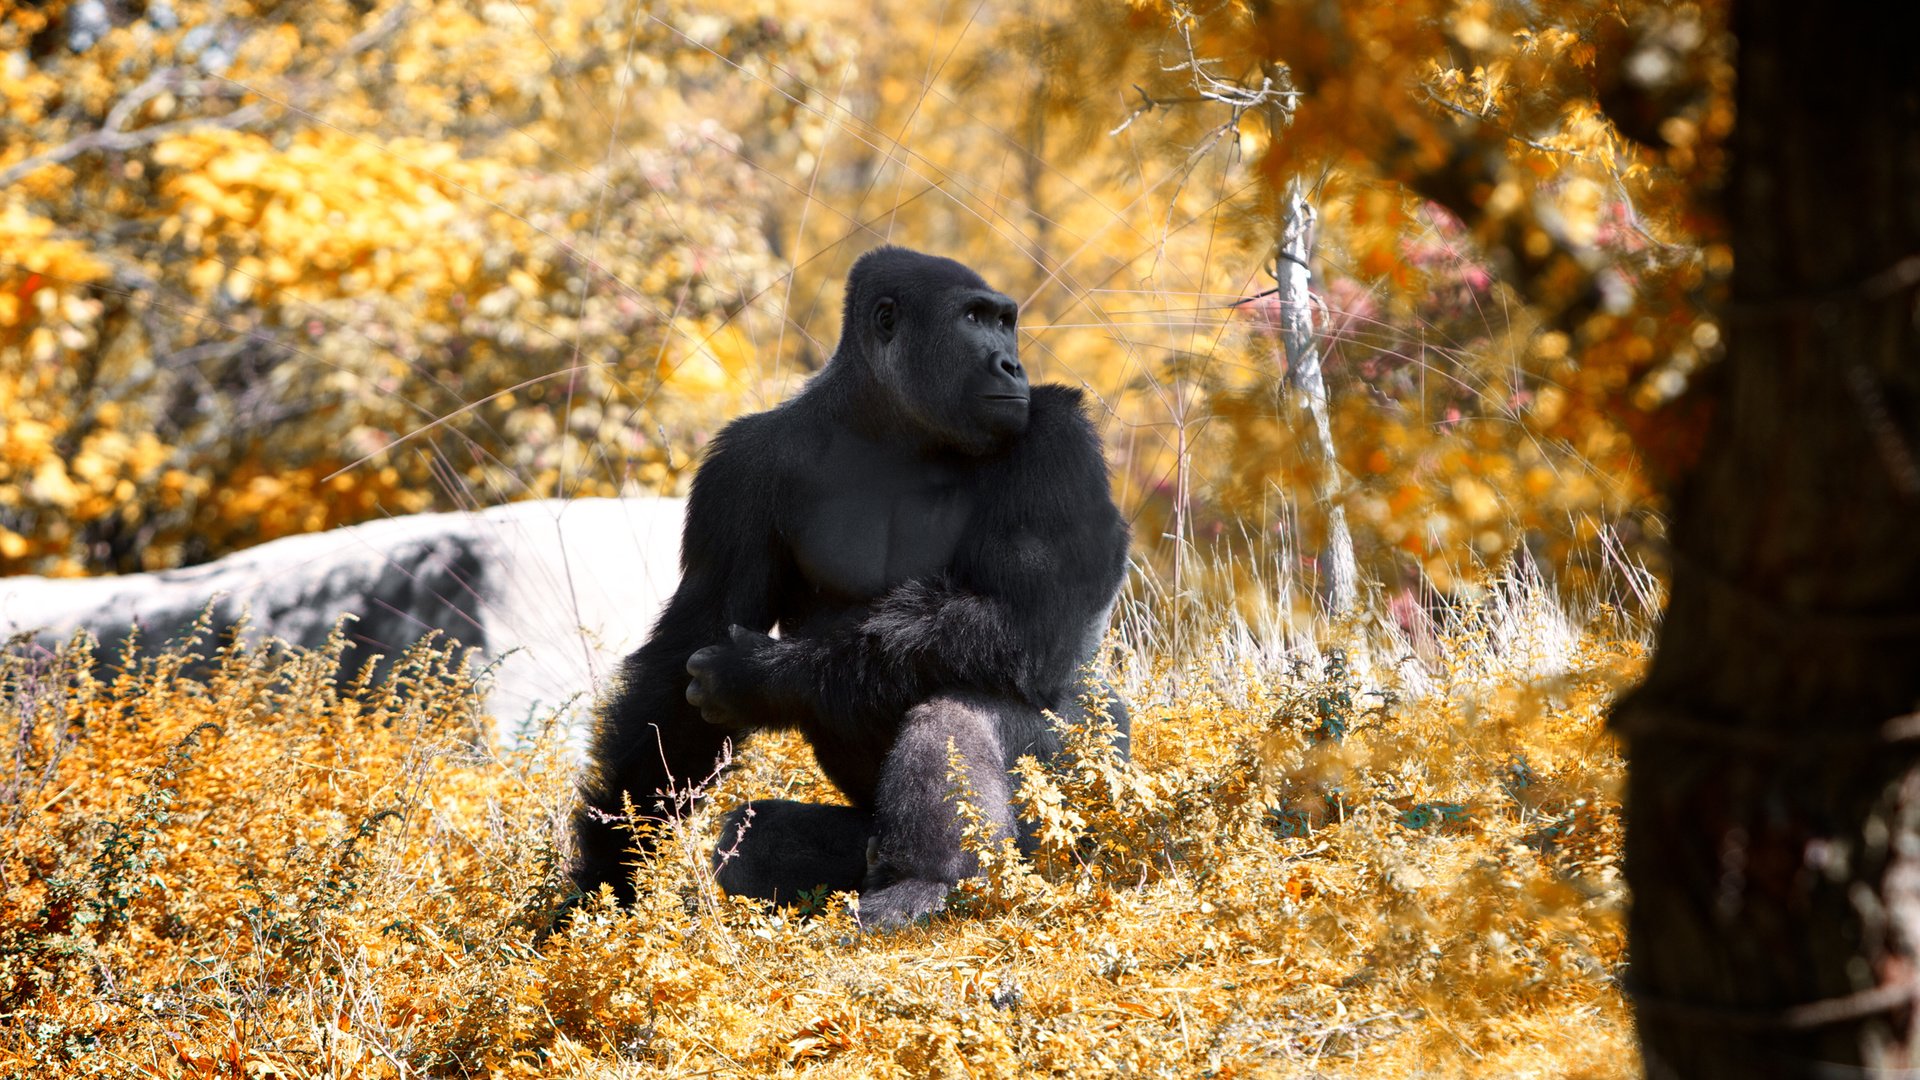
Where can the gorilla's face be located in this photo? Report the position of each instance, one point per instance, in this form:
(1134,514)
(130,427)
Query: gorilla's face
(947,347)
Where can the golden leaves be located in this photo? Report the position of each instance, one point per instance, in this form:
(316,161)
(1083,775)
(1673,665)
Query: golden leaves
(269,852)
(337,214)
(823,1038)
(707,357)
(50,484)
(493,304)
(1477,501)
(33,249)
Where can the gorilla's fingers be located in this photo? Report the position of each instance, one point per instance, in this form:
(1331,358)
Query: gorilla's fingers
(748,641)
(700,670)
(715,686)
(704,663)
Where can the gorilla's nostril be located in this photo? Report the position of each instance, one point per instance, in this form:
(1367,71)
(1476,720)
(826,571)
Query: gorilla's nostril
(1011,368)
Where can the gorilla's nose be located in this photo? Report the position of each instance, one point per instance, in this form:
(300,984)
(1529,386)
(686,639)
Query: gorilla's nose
(1010,367)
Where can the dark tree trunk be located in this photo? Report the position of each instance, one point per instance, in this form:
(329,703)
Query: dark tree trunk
(1773,799)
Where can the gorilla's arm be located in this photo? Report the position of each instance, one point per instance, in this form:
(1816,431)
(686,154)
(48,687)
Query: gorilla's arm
(648,738)
(922,636)
(1024,603)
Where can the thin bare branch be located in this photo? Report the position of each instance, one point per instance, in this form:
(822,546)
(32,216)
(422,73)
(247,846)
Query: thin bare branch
(112,136)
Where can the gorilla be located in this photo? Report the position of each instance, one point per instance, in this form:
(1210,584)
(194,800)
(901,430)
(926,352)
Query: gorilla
(937,542)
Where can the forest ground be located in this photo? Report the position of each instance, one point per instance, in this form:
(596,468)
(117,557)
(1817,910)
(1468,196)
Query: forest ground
(1399,858)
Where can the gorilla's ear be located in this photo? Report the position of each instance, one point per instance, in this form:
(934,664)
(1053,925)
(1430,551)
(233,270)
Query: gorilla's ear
(884,319)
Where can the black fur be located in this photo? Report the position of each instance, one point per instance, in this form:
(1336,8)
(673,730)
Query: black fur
(937,542)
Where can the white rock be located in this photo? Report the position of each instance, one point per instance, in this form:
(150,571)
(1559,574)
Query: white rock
(555,592)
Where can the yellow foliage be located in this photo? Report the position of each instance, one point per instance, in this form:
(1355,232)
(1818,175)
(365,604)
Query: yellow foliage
(1300,874)
(194,336)
(548,248)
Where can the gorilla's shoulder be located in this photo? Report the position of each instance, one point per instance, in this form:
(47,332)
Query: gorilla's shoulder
(746,432)
(763,442)
(746,456)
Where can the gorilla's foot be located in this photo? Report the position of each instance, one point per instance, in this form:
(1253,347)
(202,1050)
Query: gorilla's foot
(778,850)
(901,903)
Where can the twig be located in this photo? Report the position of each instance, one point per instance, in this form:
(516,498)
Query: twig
(1484,120)
(112,137)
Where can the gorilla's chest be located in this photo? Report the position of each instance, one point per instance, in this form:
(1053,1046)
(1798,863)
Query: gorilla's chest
(864,523)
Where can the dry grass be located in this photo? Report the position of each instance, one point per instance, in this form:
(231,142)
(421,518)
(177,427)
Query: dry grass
(1409,870)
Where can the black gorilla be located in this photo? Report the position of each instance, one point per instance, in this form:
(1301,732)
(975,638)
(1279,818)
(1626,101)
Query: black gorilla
(937,542)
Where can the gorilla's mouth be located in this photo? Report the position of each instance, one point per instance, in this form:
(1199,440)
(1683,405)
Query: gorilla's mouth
(1021,398)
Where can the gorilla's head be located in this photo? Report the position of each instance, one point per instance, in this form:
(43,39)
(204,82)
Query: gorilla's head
(941,343)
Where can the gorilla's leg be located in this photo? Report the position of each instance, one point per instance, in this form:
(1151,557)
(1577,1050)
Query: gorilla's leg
(644,762)
(917,854)
(791,847)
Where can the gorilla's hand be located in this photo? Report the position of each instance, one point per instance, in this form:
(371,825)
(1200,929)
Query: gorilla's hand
(729,680)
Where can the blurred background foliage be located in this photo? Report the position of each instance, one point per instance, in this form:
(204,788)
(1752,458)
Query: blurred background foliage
(272,267)
(268,268)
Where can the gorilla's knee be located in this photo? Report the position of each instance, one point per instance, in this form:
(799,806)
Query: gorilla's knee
(775,849)
(916,821)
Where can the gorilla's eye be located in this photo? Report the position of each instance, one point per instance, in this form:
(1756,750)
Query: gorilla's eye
(973,315)
(1006,321)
